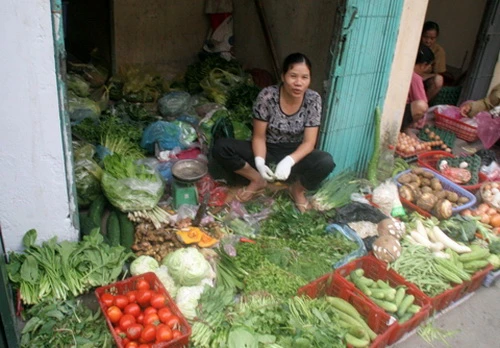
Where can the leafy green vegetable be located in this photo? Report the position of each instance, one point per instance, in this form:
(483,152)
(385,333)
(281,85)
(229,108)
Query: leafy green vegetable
(460,228)
(87,173)
(57,271)
(65,324)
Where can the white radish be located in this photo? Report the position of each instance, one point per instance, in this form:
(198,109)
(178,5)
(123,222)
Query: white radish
(441,254)
(440,236)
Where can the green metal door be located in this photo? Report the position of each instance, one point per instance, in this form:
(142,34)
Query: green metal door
(362,54)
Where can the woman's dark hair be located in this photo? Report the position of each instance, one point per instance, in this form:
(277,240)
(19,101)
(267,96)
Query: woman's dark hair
(424,55)
(430,25)
(295,58)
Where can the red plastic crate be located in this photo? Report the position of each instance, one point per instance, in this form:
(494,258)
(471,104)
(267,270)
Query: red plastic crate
(444,299)
(476,280)
(332,284)
(461,129)
(129,284)
(376,269)
(429,160)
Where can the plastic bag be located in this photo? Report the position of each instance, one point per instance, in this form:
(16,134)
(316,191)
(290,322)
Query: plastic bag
(350,234)
(218,193)
(87,174)
(188,133)
(357,211)
(166,134)
(174,103)
(488,129)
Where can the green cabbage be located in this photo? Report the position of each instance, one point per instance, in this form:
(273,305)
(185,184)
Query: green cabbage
(187,300)
(143,264)
(187,266)
(167,281)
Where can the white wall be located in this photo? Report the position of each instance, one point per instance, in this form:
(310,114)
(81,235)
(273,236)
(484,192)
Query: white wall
(409,34)
(33,189)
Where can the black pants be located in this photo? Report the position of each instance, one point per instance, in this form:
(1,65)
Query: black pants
(232,154)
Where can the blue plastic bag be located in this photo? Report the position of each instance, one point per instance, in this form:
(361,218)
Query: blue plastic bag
(350,234)
(166,134)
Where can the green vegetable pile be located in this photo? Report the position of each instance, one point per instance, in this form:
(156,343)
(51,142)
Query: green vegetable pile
(130,186)
(65,324)
(57,271)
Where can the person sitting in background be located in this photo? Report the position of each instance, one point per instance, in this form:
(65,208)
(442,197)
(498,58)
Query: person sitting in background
(472,108)
(417,102)
(433,78)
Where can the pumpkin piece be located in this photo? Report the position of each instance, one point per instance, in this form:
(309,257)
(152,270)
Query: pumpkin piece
(387,248)
(190,235)
(207,241)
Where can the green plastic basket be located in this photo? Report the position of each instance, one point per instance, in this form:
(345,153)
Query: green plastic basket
(448,95)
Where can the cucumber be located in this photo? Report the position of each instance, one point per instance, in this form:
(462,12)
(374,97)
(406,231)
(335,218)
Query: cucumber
(113,229)
(86,224)
(413,309)
(405,304)
(96,210)
(127,230)
(400,294)
(343,306)
(385,305)
(356,279)
(383,285)
(475,254)
(356,342)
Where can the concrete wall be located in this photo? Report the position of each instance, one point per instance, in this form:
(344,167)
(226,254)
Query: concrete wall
(404,61)
(33,190)
(167,35)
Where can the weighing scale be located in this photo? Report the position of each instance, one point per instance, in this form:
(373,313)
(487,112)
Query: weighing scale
(185,174)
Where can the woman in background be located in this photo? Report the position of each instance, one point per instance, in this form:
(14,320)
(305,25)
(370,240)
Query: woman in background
(433,78)
(286,124)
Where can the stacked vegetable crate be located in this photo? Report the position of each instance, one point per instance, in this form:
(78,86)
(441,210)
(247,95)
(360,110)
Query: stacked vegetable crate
(377,270)
(332,284)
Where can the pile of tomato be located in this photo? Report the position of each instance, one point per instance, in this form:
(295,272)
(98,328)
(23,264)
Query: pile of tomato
(141,317)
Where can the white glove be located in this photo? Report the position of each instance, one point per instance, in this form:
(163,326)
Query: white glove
(284,168)
(264,170)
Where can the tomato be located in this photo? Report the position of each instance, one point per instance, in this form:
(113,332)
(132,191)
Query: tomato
(121,301)
(140,318)
(163,333)
(142,284)
(158,301)
(107,299)
(132,344)
(114,314)
(131,296)
(148,333)
(134,331)
(126,320)
(176,334)
(149,310)
(164,313)
(144,345)
(173,322)
(132,308)
(119,332)
(151,318)
(143,297)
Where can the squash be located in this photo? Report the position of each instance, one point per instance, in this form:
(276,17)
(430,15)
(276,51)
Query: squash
(190,235)
(207,241)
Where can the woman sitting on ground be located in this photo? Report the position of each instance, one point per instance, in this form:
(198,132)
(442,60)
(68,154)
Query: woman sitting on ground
(433,78)
(472,108)
(417,104)
(285,131)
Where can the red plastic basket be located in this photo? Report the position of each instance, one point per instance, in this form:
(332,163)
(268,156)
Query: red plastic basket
(129,284)
(476,280)
(461,129)
(376,269)
(444,299)
(430,159)
(332,284)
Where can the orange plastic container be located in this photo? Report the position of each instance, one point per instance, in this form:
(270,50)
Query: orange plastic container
(430,159)
(332,284)
(129,284)
(461,129)
(376,269)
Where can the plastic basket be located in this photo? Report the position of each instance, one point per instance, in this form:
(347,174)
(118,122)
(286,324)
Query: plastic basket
(461,129)
(129,284)
(376,269)
(444,299)
(430,159)
(477,279)
(447,185)
(332,284)
(448,95)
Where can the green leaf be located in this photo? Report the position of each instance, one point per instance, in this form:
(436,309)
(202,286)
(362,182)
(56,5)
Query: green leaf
(29,238)
(29,270)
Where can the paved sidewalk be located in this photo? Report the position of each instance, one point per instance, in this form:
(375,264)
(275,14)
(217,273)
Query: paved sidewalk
(475,321)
